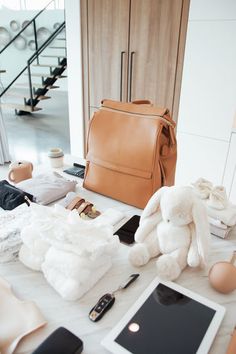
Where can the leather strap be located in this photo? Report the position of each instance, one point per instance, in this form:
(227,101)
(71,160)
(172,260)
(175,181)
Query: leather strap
(140,109)
(75,203)
(83,208)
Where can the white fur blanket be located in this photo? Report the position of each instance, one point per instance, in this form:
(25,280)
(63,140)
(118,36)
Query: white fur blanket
(68,249)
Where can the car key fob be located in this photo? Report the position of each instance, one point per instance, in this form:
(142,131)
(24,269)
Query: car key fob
(101,307)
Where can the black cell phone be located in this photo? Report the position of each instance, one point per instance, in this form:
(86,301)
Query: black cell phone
(127,231)
(61,341)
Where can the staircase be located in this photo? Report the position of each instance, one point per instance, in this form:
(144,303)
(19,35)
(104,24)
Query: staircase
(32,93)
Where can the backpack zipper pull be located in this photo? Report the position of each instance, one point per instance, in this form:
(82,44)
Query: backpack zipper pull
(27,200)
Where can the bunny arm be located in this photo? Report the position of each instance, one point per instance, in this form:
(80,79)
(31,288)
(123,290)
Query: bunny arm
(193,259)
(150,217)
(146,227)
(201,230)
(142,252)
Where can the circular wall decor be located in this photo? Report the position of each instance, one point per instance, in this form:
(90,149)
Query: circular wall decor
(14,25)
(20,43)
(29,30)
(42,34)
(56,25)
(5,36)
(31,45)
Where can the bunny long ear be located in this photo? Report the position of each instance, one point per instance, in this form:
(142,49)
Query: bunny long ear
(150,217)
(202,229)
(153,205)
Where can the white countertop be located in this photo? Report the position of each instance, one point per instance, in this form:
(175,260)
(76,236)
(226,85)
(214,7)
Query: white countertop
(30,285)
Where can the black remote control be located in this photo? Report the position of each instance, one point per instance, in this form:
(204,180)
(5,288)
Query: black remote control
(101,307)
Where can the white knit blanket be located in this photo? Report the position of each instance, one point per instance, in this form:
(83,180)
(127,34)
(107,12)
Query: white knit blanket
(11,224)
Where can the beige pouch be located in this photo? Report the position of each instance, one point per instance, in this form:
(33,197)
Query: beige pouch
(18,318)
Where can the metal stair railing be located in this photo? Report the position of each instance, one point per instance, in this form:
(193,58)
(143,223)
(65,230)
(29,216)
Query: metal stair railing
(38,49)
(36,55)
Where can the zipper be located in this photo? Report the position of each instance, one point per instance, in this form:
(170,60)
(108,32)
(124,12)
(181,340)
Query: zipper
(26,198)
(139,114)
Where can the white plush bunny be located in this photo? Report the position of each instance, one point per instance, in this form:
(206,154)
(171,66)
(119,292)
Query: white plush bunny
(174,223)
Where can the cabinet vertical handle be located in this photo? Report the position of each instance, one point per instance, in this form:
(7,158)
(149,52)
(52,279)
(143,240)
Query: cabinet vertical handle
(131,75)
(121,73)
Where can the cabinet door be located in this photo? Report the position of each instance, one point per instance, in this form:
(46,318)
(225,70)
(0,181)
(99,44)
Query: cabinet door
(154,39)
(108,25)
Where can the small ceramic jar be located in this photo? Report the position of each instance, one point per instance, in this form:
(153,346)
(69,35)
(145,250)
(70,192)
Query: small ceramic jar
(56,157)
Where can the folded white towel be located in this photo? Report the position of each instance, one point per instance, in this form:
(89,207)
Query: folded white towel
(69,288)
(216,231)
(217,223)
(109,217)
(30,259)
(71,265)
(226,216)
(32,238)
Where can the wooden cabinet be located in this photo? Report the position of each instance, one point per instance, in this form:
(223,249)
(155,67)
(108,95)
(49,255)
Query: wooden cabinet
(154,37)
(133,49)
(108,25)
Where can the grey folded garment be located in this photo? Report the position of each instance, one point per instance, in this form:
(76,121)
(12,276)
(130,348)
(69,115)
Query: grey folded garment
(47,187)
(11,224)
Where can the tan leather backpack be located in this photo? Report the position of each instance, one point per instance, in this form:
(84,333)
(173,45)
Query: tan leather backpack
(131,151)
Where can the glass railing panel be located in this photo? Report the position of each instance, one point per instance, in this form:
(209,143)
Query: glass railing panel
(47,23)
(14,58)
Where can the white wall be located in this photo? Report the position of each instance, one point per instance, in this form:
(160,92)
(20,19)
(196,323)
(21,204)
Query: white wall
(208,94)
(73,31)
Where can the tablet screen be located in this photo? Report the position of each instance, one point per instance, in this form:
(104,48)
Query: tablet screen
(168,322)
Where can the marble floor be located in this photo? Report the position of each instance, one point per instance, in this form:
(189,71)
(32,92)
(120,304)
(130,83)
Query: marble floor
(30,137)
